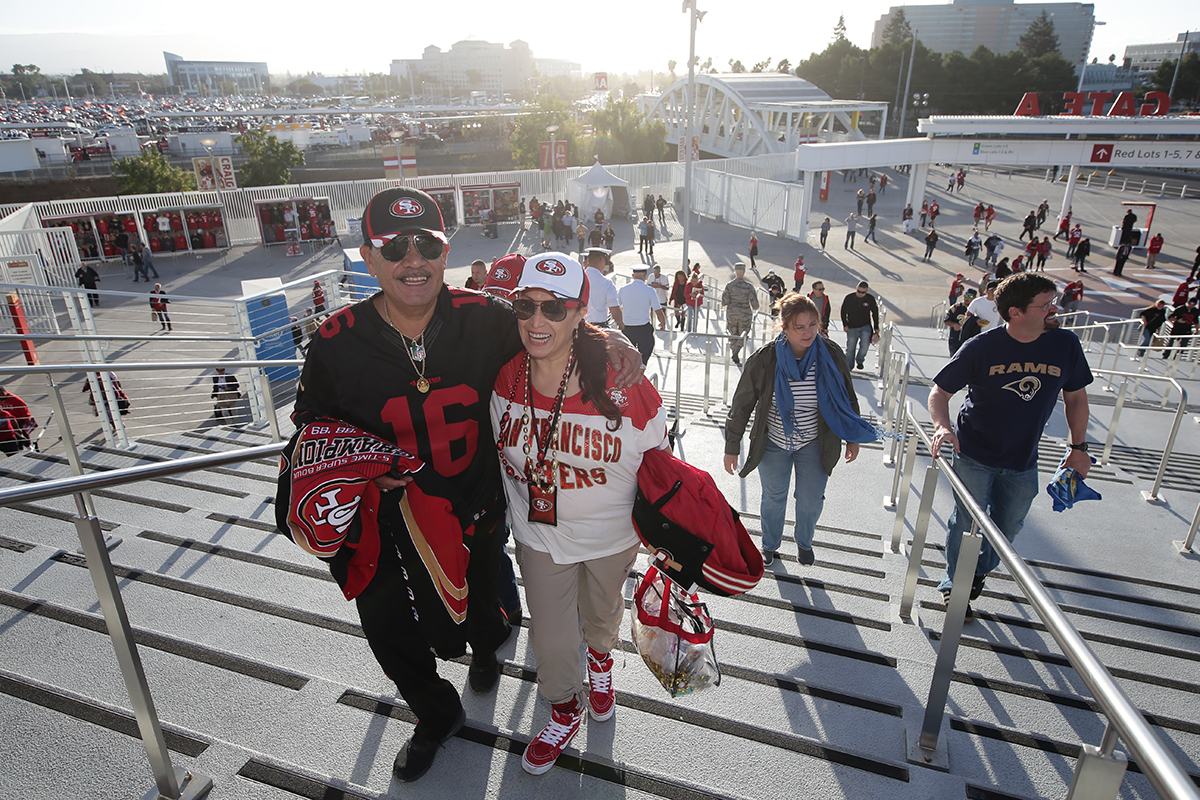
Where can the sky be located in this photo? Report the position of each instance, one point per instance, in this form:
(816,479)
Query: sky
(615,36)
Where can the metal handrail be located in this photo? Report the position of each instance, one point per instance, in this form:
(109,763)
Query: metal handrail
(1169,446)
(707,372)
(1164,773)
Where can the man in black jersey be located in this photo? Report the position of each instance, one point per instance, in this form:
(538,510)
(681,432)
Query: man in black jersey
(415,365)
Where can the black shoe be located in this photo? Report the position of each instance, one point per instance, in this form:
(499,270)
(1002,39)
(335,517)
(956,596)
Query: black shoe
(416,757)
(514,617)
(806,556)
(969,616)
(977,586)
(737,360)
(768,557)
(484,672)
(860,366)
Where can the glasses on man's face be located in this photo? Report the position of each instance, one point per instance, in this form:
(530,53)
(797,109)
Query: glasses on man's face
(428,245)
(553,310)
(1048,306)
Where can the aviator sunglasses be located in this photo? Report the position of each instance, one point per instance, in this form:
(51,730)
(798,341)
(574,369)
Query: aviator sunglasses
(428,245)
(553,310)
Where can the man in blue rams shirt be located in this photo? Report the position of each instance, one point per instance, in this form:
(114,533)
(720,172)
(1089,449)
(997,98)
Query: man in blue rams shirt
(1013,375)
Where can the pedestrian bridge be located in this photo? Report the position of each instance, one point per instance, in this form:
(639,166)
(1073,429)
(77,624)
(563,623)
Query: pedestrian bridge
(759,113)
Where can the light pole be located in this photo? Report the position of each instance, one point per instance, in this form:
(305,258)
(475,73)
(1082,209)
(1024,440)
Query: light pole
(693,18)
(207,144)
(552,129)
(907,85)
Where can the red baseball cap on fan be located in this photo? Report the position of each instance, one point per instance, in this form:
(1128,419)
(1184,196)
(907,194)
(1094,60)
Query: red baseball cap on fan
(401,210)
(504,274)
(556,273)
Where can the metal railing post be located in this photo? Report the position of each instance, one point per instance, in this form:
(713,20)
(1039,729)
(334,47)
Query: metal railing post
(1152,496)
(1185,547)
(166,777)
(943,670)
(1099,771)
(899,499)
(68,437)
(920,531)
(1112,426)
(269,401)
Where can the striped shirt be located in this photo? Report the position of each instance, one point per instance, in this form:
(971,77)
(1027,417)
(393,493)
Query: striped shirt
(804,414)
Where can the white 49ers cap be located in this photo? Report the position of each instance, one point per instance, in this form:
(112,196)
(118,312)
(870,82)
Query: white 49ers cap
(557,273)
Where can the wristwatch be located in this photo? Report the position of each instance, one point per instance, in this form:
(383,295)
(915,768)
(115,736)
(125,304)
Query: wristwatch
(1083,447)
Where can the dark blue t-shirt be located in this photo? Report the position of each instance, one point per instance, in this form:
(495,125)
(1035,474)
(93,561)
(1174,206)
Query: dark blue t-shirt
(1012,389)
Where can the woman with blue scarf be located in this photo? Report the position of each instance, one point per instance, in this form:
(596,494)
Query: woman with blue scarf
(802,396)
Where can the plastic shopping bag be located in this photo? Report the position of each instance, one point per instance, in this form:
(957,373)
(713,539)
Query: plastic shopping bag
(674,634)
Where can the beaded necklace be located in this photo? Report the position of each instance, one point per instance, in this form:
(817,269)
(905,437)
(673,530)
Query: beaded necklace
(539,476)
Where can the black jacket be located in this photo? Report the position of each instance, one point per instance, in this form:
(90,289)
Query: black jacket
(858,312)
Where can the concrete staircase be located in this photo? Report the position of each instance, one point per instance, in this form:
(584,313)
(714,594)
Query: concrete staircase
(264,682)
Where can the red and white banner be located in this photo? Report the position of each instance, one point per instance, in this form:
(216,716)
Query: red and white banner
(408,161)
(601,82)
(560,155)
(695,149)
(824,186)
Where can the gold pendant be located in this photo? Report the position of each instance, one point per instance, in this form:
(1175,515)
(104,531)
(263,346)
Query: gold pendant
(422,385)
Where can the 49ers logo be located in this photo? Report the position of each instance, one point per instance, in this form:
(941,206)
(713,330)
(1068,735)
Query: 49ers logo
(327,508)
(551,267)
(501,274)
(407,207)
(542,505)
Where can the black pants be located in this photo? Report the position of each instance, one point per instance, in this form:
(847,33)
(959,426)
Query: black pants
(642,337)
(396,640)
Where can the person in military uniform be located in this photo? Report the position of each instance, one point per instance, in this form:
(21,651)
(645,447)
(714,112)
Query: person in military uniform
(740,299)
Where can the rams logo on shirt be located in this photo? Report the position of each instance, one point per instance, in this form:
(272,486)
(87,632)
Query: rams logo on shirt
(551,267)
(1025,388)
(407,207)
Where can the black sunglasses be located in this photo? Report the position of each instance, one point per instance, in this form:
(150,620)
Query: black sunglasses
(428,245)
(553,310)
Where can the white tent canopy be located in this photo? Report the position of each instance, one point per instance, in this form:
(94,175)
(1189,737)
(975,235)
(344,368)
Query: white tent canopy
(599,189)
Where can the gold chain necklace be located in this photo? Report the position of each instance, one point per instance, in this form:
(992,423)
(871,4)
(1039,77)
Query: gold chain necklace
(414,349)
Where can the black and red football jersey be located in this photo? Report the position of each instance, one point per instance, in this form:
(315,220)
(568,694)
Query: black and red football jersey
(357,371)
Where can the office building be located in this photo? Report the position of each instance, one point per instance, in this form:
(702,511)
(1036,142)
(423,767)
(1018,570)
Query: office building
(467,66)
(196,77)
(998,25)
(1145,59)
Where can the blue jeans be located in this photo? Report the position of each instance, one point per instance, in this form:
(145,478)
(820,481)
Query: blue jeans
(1005,495)
(1147,335)
(858,339)
(775,475)
(693,317)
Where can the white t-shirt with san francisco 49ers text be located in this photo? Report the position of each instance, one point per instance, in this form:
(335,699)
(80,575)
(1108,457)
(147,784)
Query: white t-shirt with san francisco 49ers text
(597,467)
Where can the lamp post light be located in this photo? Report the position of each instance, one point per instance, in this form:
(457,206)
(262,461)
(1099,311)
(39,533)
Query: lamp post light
(694,16)
(552,129)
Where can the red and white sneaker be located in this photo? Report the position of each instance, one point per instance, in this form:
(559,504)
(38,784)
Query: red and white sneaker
(544,750)
(601,697)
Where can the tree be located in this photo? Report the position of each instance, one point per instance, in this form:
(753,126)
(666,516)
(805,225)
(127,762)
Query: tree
(839,30)
(784,67)
(762,66)
(623,136)
(269,160)
(630,89)
(305,88)
(897,30)
(1187,87)
(530,130)
(736,66)
(151,173)
(1040,38)
(671,68)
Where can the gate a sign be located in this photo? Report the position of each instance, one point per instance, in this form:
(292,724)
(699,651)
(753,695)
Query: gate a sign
(601,81)
(1157,104)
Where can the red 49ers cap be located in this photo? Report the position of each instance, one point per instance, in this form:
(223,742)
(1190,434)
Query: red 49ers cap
(401,210)
(557,273)
(504,274)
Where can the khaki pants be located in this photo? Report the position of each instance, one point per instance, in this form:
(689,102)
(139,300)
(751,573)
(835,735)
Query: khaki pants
(570,604)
